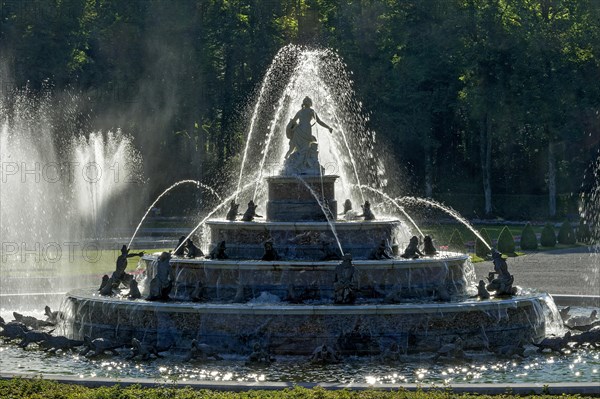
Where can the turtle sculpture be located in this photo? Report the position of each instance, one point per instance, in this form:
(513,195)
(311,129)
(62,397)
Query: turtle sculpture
(324,354)
(12,330)
(452,350)
(591,337)
(144,351)
(31,321)
(554,344)
(34,337)
(260,356)
(99,346)
(579,321)
(55,343)
(201,351)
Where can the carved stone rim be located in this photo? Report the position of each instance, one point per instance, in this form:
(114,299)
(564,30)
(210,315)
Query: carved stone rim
(342,224)
(297,178)
(439,261)
(468,305)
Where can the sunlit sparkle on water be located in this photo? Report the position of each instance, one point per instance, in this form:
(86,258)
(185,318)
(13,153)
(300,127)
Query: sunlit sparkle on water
(580,366)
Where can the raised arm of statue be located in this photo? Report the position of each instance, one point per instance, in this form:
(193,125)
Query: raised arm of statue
(135,254)
(320,122)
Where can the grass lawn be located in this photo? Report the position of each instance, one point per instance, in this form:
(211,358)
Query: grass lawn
(77,263)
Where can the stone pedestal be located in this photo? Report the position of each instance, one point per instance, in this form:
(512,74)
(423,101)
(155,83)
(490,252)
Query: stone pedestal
(295,198)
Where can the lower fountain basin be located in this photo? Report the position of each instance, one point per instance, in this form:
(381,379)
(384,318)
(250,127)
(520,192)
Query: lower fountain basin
(289,329)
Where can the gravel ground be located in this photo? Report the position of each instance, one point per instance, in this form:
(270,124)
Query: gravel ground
(574,271)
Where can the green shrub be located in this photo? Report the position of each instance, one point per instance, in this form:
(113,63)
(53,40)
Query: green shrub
(528,238)
(584,233)
(506,241)
(548,238)
(566,235)
(29,389)
(456,242)
(481,249)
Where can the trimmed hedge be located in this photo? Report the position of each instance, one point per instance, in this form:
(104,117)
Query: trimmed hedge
(506,241)
(42,389)
(566,235)
(528,239)
(548,238)
(480,249)
(456,242)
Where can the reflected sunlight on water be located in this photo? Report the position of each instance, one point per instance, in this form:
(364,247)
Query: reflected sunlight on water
(580,366)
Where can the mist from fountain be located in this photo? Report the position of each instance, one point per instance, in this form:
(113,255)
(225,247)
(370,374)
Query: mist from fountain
(61,189)
(105,162)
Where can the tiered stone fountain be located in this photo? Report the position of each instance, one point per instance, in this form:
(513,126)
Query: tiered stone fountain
(305,296)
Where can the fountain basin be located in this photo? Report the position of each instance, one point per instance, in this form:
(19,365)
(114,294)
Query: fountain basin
(303,240)
(290,329)
(392,280)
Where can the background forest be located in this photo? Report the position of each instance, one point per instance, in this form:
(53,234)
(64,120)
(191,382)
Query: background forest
(491,106)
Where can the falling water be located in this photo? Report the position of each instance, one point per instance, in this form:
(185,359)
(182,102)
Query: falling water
(197,183)
(212,212)
(589,211)
(348,151)
(105,171)
(326,212)
(59,188)
(352,161)
(281,58)
(275,125)
(448,210)
(387,197)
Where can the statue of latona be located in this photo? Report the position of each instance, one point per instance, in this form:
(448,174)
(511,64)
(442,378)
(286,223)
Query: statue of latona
(302,156)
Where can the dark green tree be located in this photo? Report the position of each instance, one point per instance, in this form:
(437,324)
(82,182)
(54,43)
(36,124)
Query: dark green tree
(506,241)
(566,235)
(548,237)
(529,240)
(584,234)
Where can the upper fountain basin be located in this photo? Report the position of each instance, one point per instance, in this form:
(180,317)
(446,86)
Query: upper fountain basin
(308,240)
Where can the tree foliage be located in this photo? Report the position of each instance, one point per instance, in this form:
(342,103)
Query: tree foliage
(566,234)
(584,234)
(548,237)
(529,240)
(506,241)
(486,90)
